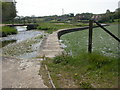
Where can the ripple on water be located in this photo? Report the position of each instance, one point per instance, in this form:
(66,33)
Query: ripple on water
(24,35)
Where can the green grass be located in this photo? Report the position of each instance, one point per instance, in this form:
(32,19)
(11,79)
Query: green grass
(79,69)
(83,71)
(77,42)
(50,27)
(4,43)
(7,31)
(116,21)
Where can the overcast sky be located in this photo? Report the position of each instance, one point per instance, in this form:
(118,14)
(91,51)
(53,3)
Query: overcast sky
(54,7)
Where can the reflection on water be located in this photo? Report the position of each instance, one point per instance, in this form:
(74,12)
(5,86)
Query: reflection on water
(21,28)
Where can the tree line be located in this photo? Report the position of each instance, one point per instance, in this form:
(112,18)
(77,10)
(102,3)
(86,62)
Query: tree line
(110,16)
(8,11)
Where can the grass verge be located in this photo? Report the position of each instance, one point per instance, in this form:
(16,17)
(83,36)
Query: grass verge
(83,71)
(50,27)
(77,42)
(7,31)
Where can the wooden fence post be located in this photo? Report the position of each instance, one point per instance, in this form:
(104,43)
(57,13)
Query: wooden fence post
(90,36)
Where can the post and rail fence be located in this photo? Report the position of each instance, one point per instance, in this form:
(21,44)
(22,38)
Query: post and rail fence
(91,31)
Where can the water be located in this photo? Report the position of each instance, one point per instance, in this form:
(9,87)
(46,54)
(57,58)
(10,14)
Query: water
(18,43)
(21,28)
(22,34)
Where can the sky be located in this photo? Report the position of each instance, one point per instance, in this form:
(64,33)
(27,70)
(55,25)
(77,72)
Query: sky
(54,7)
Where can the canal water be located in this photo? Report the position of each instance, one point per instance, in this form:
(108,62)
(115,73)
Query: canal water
(23,34)
(25,44)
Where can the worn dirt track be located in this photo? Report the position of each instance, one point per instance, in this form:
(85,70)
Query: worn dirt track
(19,73)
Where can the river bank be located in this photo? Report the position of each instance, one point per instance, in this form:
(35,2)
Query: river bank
(19,69)
(19,49)
(5,31)
(25,44)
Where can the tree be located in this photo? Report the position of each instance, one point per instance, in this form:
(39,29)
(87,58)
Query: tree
(71,14)
(117,13)
(86,16)
(8,11)
(108,11)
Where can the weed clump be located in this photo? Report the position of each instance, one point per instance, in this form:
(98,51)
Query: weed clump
(64,59)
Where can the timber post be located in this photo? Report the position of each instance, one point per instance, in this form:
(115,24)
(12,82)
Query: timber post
(90,36)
